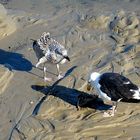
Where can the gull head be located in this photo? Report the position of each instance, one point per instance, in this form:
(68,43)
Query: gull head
(46,36)
(93,77)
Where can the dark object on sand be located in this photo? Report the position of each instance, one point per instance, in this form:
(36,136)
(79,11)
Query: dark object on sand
(88,100)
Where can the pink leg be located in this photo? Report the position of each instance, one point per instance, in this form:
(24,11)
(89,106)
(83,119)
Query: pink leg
(46,79)
(112,112)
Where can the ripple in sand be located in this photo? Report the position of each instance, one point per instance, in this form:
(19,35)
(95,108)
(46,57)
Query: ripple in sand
(6,76)
(126,35)
(7,25)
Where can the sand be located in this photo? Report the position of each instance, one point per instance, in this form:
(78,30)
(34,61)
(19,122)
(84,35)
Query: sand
(7,24)
(97,34)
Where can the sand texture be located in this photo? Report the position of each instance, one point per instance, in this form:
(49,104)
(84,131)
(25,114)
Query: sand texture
(100,35)
(7,24)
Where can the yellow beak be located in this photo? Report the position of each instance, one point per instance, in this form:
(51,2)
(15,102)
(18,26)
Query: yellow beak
(88,86)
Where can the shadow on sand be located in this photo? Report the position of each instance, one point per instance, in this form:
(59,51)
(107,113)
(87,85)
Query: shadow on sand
(14,61)
(73,96)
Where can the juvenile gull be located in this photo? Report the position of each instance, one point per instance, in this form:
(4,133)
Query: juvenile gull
(113,87)
(49,50)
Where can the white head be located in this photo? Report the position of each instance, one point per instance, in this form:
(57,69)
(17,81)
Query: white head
(94,76)
(92,80)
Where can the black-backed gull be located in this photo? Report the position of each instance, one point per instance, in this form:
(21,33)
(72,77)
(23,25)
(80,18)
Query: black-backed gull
(49,50)
(113,87)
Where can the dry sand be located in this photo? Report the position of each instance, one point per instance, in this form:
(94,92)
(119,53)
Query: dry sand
(96,34)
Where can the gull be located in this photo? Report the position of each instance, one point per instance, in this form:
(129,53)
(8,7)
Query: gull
(113,87)
(49,50)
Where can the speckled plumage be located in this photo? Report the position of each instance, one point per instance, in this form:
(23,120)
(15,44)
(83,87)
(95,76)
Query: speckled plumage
(52,50)
(49,50)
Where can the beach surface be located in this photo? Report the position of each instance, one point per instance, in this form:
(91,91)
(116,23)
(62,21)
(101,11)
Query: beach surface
(99,35)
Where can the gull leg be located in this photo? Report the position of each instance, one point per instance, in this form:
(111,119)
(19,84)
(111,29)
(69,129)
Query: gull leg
(77,106)
(41,61)
(58,71)
(114,107)
(45,74)
(112,111)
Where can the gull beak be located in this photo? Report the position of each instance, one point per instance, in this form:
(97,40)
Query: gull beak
(66,57)
(88,86)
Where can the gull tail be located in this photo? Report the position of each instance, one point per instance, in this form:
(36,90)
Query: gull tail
(136,94)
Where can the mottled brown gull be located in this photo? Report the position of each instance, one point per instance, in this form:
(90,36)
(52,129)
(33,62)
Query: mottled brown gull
(49,50)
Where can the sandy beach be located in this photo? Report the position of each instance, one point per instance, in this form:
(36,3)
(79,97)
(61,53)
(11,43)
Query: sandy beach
(97,35)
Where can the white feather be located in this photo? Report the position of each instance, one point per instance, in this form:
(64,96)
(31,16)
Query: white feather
(126,83)
(136,93)
(94,80)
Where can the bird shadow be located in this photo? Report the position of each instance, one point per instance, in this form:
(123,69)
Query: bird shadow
(14,61)
(74,96)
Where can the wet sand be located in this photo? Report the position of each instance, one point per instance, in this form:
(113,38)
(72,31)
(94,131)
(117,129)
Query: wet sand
(97,34)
